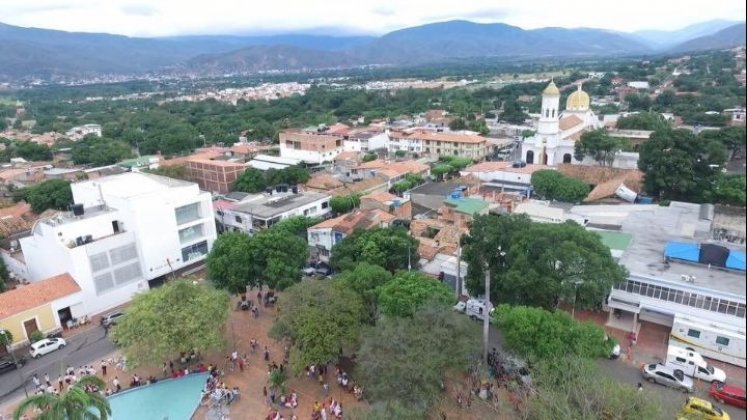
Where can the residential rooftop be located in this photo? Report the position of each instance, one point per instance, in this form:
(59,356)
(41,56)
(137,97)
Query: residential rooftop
(38,293)
(360,219)
(133,184)
(467,205)
(265,207)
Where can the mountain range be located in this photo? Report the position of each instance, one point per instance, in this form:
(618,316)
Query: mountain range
(48,54)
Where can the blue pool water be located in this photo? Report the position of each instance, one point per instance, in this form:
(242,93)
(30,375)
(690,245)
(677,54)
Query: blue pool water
(171,399)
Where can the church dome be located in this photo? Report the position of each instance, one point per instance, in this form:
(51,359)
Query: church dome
(578,101)
(551,90)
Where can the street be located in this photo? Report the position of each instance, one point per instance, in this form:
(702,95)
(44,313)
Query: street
(88,347)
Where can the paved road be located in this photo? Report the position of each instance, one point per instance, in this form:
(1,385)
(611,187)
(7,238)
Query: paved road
(88,347)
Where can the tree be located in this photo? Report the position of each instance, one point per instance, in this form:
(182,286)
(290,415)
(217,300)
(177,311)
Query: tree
(543,335)
(642,121)
(599,145)
(576,388)
(678,165)
(344,203)
(365,279)
(512,113)
(386,247)
(227,262)
(553,185)
(100,151)
(50,194)
(171,171)
(727,189)
(6,337)
(251,181)
(733,138)
(177,317)
(458,124)
(74,404)
(440,170)
(638,102)
(296,225)
(31,151)
(369,157)
(3,275)
(408,291)
(538,264)
(319,318)
(403,360)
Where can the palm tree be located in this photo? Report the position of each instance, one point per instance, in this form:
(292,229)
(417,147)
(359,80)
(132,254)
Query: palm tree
(75,404)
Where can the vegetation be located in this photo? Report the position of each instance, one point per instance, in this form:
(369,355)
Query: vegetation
(296,225)
(407,292)
(550,184)
(598,145)
(537,264)
(342,204)
(409,182)
(51,194)
(24,149)
(643,121)
(171,171)
(402,361)
(365,280)
(178,317)
(73,404)
(97,151)
(543,335)
(4,275)
(575,388)
(36,336)
(386,247)
(319,318)
(513,113)
(254,181)
(369,157)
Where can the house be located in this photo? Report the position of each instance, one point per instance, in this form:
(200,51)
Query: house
(45,306)
(542,212)
(323,236)
(141,162)
(429,197)
(260,211)
(397,206)
(125,234)
(738,116)
(314,147)
(432,144)
(265,162)
(215,176)
(460,211)
(77,133)
(505,175)
(392,171)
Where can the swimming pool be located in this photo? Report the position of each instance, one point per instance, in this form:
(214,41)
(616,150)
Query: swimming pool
(170,399)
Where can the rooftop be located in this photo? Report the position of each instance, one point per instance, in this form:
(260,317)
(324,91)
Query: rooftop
(442,188)
(265,207)
(133,184)
(360,219)
(435,136)
(30,296)
(652,226)
(466,205)
(504,167)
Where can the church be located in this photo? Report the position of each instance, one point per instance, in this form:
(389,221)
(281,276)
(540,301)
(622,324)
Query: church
(558,132)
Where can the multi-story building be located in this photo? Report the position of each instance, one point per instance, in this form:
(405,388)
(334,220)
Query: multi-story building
(77,133)
(323,236)
(310,146)
(259,211)
(215,176)
(435,144)
(126,233)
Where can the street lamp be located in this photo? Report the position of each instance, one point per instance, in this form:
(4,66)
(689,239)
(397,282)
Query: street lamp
(488,307)
(15,362)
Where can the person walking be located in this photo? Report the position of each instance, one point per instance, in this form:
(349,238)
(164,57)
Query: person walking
(103,367)
(264,394)
(117,385)
(267,354)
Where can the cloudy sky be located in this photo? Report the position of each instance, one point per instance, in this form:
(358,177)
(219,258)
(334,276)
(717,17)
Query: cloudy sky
(178,17)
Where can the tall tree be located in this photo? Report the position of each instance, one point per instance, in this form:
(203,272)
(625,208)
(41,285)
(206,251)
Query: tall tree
(407,292)
(228,262)
(599,145)
(50,194)
(319,318)
(392,248)
(178,317)
(251,181)
(73,404)
(403,360)
(365,279)
(550,184)
(678,165)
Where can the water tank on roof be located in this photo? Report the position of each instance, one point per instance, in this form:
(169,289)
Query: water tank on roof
(294,189)
(78,209)
(396,203)
(455,195)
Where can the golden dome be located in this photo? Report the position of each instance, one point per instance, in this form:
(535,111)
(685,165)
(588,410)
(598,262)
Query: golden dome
(551,90)
(578,101)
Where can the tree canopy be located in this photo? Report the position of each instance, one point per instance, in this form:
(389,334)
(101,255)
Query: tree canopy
(679,165)
(177,317)
(74,404)
(50,194)
(342,204)
(320,318)
(365,279)
(403,360)
(407,292)
(100,151)
(251,181)
(550,184)
(386,247)
(598,145)
(540,263)
(642,121)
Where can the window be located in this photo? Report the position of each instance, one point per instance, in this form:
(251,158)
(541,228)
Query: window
(127,274)
(693,333)
(325,204)
(188,213)
(123,254)
(238,219)
(681,360)
(99,261)
(194,251)
(722,341)
(191,233)
(103,282)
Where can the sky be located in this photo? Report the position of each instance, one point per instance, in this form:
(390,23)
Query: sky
(344,17)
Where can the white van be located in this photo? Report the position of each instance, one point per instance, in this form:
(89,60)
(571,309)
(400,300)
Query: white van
(474,308)
(692,364)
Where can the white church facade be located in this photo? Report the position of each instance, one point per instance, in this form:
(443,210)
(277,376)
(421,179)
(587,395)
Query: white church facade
(558,132)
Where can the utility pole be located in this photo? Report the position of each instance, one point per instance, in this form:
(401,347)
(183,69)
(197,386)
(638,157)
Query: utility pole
(409,263)
(486,317)
(459,272)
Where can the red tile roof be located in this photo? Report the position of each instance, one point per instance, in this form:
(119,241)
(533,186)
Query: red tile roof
(360,219)
(382,197)
(569,122)
(435,136)
(38,293)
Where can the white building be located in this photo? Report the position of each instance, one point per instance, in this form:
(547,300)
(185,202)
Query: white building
(557,132)
(310,147)
(504,175)
(260,211)
(125,233)
(77,133)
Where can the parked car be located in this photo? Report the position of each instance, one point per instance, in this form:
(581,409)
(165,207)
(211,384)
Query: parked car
(702,409)
(6,365)
(665,375)
(46,345)
(728,394)
(111,319)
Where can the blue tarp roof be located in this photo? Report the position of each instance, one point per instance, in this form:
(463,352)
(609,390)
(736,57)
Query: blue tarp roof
(736,260)
(682,251)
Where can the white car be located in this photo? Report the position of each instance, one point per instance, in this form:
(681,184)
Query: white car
(47,345)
